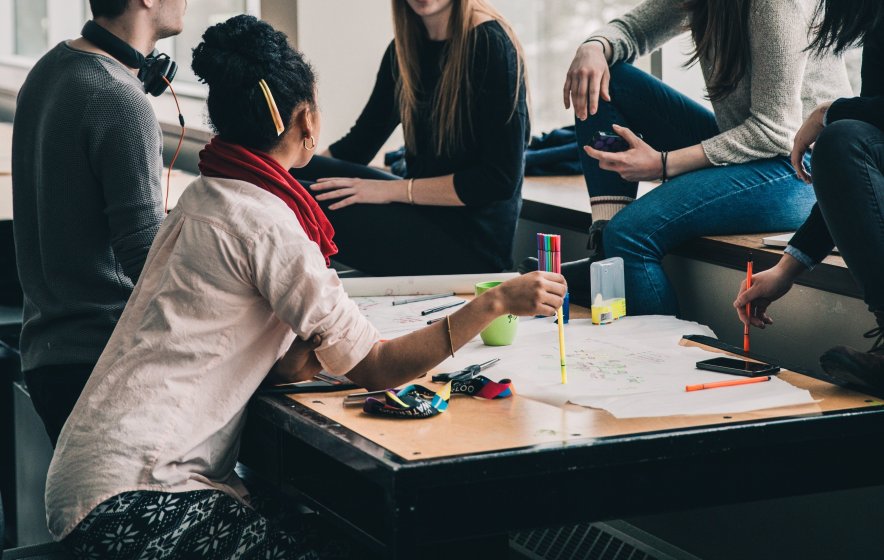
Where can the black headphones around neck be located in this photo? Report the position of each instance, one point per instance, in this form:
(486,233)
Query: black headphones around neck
(151,68)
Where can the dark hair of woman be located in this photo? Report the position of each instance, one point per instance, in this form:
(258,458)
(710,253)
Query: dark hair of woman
(720,29)
(842,24)
(232,58)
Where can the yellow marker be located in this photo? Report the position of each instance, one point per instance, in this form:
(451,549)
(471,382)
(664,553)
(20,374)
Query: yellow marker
(561,322)
(396,398)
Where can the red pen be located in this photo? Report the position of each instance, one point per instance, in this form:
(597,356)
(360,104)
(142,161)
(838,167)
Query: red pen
(748,307)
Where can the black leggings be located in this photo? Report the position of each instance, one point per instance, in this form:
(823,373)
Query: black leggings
(848,160)
(395,239)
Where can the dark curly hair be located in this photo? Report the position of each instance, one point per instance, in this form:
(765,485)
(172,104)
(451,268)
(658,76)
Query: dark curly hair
(231,59)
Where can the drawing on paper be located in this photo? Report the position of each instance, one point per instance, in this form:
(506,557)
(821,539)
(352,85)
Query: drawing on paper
(597,366)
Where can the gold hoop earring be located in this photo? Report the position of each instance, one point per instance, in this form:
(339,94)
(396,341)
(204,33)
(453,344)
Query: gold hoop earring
(312,142)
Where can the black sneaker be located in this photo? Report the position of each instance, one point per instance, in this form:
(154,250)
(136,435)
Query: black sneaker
(864,369)
(528,265)
(594,245)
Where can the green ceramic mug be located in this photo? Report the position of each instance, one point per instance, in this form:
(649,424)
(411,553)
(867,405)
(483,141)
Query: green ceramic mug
(501,331)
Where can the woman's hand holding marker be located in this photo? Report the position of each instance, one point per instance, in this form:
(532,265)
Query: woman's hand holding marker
(767,287)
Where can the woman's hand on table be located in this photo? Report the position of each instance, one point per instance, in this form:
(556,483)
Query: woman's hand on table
(349,190)
(640,162)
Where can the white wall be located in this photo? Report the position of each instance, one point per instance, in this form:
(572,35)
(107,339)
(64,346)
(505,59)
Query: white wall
(344,40)
(688,81)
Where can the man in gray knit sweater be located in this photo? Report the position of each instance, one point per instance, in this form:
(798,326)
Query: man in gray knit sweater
(86,177)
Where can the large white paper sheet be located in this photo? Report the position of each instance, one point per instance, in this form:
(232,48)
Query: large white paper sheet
(417,285)
(632,368)
(396,320)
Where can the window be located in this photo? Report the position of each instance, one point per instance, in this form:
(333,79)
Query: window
(550,31)
(31,27)
(200,15)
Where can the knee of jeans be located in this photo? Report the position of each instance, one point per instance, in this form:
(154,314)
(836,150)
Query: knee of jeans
(839,142)
(840,146)
(623,70)
(619,239)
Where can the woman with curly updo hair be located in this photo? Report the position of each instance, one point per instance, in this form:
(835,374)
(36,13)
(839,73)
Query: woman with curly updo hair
(454,78)
(236,285)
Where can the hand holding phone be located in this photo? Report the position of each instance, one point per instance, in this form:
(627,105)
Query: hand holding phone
(735,366)
(609,142)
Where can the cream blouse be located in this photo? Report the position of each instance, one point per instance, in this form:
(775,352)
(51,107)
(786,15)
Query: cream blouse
(229,282)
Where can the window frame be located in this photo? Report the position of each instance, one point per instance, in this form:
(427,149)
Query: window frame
(59,15)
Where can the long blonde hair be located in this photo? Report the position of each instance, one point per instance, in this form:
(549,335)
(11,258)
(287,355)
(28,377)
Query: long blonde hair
(451,100)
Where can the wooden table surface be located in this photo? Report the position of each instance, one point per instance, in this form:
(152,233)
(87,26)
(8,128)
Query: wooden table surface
(520,422)
(490,467)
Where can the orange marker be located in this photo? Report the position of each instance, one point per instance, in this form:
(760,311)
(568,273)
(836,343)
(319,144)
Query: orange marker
(717,384)
(748,307)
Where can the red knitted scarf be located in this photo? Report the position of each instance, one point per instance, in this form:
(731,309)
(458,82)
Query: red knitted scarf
(229,161)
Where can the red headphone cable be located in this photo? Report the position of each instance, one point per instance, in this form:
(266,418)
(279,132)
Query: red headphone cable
(177,150)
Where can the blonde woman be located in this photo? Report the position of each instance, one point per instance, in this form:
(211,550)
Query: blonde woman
(454,78)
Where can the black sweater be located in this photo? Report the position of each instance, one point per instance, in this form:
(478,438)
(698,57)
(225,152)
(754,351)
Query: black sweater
(488,166)
(813,238)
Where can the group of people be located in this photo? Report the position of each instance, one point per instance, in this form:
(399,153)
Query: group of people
(145,335)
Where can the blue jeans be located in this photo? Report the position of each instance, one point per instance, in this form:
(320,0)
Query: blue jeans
(759,196)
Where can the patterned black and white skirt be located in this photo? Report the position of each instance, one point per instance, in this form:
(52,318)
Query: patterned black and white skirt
(200,524)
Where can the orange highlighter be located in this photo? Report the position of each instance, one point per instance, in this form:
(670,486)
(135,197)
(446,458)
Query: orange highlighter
(748,307)
(717,384)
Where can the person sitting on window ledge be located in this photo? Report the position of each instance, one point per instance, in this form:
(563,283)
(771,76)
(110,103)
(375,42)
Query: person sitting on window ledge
(724,171)
(454,78)
(847,162)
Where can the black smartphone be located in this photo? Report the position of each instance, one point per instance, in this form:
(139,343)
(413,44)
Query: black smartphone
(735,366)
(609,142)
(314,386)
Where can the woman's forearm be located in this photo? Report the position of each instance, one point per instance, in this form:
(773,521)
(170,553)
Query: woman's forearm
(429,191)
(400,360)
(686,160)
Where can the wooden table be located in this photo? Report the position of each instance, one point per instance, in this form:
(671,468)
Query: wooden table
(458,482)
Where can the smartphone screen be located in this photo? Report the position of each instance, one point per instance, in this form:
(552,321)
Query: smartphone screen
(736,366)
(608,142)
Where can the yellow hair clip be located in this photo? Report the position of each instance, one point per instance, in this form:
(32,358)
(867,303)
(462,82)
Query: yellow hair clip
(274,110)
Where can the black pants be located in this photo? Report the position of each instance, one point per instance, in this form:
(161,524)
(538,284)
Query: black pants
(54,391)
(395,239)
(848,159)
